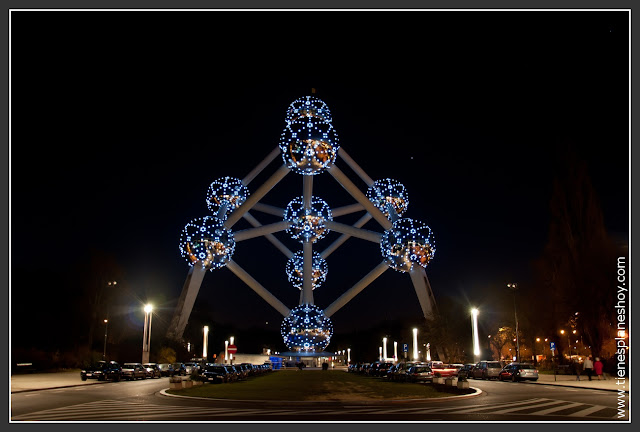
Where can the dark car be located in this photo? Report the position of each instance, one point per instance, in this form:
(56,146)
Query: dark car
(133,371)
(486,369)
(381,370)
(166,369)
(179,369)
(419,373)
(153,371)
(518,372)
(102,371)
(466,370)
(216,373)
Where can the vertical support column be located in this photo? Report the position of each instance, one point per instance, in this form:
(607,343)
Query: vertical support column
(423,290)
(186,302)
(307,269)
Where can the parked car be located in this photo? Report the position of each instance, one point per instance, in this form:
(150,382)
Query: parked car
(166,369)
(153,371)
(400,371)
(179,369)
(133,371)
(216,373)
(486,369)
(102,371)
(191,367)
(466,370)
(381,369)
(442,370)
(518,372)
(419,373)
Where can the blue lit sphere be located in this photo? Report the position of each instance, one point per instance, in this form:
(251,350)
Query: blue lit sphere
(388,192)
(206,242)
(306,329)
(309,145)
(308,106)
(228,192)
(295,272)
(406,243)
(307,225)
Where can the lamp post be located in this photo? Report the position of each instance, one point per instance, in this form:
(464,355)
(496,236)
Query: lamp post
(415,344)
(226,351)
(384,349)
(474,330)
(349,355)
(395,351)
(146,338)
(380,353)
(104,352)
(568,346)
(513,287)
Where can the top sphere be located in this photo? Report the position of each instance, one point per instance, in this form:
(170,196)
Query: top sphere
(388,192)
(228,193)
(308,106)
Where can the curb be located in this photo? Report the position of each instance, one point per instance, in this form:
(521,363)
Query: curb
(573,386)
(477,392)
(58,387)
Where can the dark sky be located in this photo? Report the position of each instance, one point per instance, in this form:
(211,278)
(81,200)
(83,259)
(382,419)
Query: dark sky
(121,120)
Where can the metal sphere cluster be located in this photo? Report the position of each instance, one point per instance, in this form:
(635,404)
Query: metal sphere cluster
(306,329)
(206,242)
(386,193)
(406,243)
(308,106)
(307,224)
(295,267)
(309,143)
(228,193)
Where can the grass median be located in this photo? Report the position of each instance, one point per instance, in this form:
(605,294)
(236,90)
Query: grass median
(307,385)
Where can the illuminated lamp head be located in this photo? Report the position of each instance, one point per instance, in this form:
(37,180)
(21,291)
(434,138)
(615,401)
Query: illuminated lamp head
(227,192)
(406,243)
(309,145)
(388,193)
(306,329)
(308,106)
(307,225)
(295,266)
(206,242)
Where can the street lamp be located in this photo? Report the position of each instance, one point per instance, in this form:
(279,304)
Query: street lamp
(226,351)
(395,351)
(104,353)
(474,332)
(513,287)
(205,342)
(146,338)
(384,348)
(415,344)
(349,355)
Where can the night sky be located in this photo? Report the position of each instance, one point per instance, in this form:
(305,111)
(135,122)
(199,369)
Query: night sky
(121,120)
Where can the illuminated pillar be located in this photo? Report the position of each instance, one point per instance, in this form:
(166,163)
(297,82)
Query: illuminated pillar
(476,342)
(226,351)
(348,355)
(205,342)
(428,352)
(380,353)
(395,351)
(384,349)
(415,344)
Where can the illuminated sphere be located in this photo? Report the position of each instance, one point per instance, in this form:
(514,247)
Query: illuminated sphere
(406,243)
(388,192)
(307,225)
(226,191)
(309,145)
(308,106)
(206,242)
(295,266)
(306,329)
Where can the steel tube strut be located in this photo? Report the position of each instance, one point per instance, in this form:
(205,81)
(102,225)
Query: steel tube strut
(261,166)
(423,290)
(259,289)
(355,167)
(307,269)
(256,196)
(185,302)
(307,191)
(260,231)
(355,232)
(277,243)
(348,185)
(344,237)
(269,209)
(356,289)
(348,209)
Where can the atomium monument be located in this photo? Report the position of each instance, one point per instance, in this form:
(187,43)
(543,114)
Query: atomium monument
(308,146)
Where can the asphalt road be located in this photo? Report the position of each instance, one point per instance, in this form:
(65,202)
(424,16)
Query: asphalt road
(144,401)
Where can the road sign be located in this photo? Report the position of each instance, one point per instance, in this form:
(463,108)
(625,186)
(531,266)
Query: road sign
(232,349)
(405,347)
(553,346)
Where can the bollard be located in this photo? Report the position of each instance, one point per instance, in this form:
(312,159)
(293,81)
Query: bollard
(463,384)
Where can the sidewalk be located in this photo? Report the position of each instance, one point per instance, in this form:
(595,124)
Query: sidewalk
(609,384)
